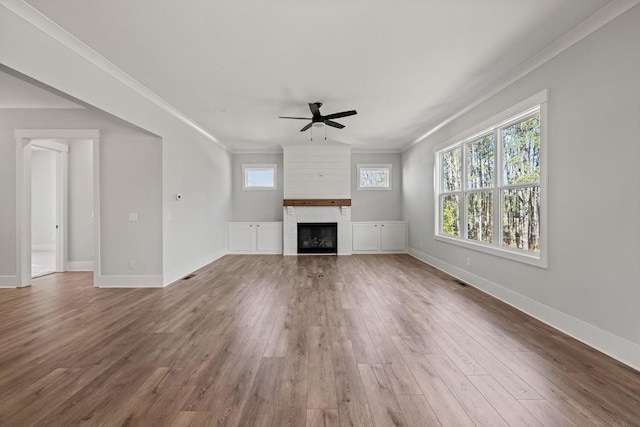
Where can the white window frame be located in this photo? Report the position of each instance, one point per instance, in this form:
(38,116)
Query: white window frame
(535,104)
(246,168)
(378,166)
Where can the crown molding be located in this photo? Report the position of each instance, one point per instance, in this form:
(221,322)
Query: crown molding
(582,30)
(36,18)
(363,150)
(39,106)
(258,151)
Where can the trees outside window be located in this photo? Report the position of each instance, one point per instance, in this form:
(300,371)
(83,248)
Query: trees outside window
(489,190)
(374,177)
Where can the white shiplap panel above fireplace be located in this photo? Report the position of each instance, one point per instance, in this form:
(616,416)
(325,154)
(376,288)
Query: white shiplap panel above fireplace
(318,171)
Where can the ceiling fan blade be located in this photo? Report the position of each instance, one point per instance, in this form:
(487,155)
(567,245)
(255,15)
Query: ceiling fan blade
(315,108)
(306,127)
(333,124)
(342,114)
(297,118)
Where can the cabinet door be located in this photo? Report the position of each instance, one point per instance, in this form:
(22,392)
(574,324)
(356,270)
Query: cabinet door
(365,237)
(393,237)
(269,237)
(240,237)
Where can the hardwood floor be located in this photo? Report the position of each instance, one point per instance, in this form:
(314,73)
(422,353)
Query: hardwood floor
(381,340)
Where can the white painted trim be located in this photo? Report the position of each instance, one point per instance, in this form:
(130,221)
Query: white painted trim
(128,281)
(584,29)
(258,151)
(619,348)
(62,183)
(97,267)
(56,133)
(50,145)
(257,253)
(80,266)
(39,247)
(40,106)
(62,36)
(8,282)
(23,212)
(364,150)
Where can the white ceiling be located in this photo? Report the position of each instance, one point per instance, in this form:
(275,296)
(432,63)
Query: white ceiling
(234,66)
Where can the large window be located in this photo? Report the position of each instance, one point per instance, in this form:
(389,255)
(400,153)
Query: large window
(489,189)
(259,177)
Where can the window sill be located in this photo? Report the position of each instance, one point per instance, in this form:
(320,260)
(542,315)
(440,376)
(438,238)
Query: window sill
(537,260)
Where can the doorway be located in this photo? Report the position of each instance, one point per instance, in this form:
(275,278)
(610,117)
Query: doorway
(36,243)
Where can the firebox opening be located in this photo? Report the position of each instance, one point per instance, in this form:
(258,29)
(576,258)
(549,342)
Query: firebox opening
(317,237)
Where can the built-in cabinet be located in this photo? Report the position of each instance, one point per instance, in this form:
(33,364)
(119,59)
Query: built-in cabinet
(254,237)
(380,237)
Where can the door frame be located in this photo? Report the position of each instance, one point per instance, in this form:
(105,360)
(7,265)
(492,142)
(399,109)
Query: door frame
(24,143)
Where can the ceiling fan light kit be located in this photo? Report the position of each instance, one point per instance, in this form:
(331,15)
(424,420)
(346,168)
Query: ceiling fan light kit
(318,120)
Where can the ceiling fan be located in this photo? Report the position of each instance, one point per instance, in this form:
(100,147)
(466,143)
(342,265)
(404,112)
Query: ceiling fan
(319,118)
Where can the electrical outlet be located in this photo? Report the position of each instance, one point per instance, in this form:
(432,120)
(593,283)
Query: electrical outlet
(132,265)
(133,216)
(468,262)
(421,244)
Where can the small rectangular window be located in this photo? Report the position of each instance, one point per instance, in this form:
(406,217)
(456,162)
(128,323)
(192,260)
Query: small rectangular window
(260,177)
(374,177)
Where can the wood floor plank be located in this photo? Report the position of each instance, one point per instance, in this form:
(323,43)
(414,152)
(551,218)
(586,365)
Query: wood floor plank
(417,411)
(272,340)
(442,401)
(507,406)
(353,408)
(322,418)
(363,347)
(259,406)
(321,393)
(385,409)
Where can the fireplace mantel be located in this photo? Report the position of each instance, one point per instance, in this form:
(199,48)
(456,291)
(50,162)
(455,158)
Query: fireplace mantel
(316,202)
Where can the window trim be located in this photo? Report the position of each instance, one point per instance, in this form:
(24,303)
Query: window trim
(259,167)
(513,114)
(387,166)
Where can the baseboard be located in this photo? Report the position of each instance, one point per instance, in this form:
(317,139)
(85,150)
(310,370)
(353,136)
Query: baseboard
(253,253)
(8,281)
(38,247)
(128,281)
(80,266)
(619,348)
(175,277)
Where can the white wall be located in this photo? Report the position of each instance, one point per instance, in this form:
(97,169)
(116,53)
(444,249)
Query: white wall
(256,205)
(43,200)
(377,205)
(192,230)
(591,288)
(80,223)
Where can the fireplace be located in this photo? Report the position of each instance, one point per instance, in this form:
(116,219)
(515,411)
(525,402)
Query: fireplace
(317,237)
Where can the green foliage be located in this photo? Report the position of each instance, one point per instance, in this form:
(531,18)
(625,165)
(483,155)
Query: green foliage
(451,215)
